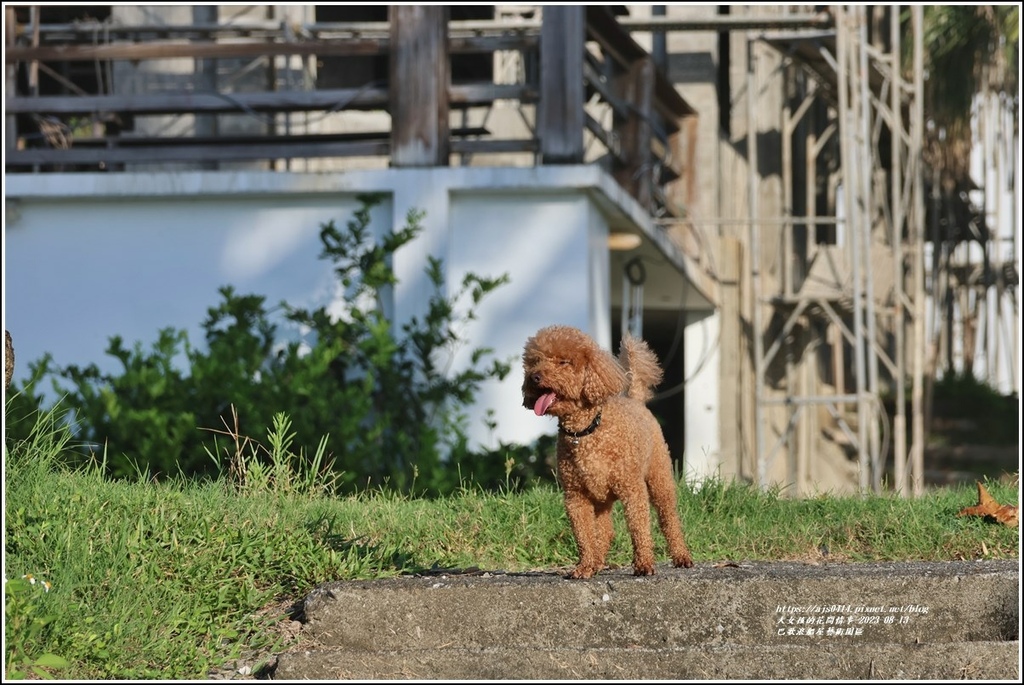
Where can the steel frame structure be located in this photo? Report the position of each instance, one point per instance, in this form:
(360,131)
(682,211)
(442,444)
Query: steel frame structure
(870,95)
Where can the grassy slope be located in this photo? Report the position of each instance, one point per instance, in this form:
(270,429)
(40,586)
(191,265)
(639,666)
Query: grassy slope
(166,580)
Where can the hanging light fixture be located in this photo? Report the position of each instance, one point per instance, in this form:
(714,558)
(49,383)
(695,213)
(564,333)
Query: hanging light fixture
(621,241)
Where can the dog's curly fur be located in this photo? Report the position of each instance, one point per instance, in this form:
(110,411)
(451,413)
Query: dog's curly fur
(620,455)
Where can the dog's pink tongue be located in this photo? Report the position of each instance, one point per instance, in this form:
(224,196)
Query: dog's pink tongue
(543,402)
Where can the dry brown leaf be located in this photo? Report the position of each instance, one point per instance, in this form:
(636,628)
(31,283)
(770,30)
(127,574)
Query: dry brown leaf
(988,507)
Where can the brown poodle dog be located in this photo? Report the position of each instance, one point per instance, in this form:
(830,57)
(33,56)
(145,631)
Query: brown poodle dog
(610,446)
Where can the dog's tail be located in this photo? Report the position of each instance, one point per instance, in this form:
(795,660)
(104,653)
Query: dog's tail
(642,368)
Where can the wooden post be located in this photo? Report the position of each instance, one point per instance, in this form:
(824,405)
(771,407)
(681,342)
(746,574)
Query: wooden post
(205,80)
(736,411)
(419,79)
(10,80)
(560,111)
(682,145)
(636,174)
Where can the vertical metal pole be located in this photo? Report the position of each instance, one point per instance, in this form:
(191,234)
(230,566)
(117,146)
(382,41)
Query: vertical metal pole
(810,420)
(853,206)
(899,283)
(867,161)
(753,189)
(786,264)
(916,138)
(787,190)
(811,178)
(986,304)
(997,266)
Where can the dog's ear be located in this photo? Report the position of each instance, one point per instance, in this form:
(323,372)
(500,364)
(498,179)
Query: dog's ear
(603,377)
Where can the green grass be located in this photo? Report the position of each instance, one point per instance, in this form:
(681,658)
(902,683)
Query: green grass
(171,579)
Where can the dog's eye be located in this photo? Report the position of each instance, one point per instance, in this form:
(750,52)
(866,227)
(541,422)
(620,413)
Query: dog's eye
(565,362)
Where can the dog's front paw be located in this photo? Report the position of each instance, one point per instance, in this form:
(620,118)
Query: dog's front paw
(683,562)
(643,569)
(582,571)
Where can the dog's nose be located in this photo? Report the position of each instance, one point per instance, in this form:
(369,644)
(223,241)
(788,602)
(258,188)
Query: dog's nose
(535,378)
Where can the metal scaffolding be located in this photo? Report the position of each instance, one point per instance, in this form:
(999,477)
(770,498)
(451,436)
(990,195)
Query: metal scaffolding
(866,285)
(858,73)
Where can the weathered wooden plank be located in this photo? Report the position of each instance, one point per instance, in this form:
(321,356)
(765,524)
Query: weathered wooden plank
(611,143)
(604,89)
(477,94)
(720,22)
(418,82)
(254,138)
(603,28)
(560,111)
(485,44)
(466,146)
(241,148)
(341,47)
(174,103)
(683,149)
(635,173)
(90,28)
(195,153)
(462,95)
(156,50)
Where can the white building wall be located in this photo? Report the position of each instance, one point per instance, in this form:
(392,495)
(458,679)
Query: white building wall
(77,272)
(542,244)
(88,256)
(701,341)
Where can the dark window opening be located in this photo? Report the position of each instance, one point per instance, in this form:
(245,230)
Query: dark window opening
(85,75)
(357,72)
(64,78)
(351,72)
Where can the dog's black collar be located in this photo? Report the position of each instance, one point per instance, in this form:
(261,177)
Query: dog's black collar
(576,435)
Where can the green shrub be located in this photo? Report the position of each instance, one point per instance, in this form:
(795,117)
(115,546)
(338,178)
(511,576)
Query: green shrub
(381,399)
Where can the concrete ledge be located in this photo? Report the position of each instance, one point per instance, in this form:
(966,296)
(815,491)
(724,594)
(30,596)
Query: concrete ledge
(915,620)
(975,660)
(777,604)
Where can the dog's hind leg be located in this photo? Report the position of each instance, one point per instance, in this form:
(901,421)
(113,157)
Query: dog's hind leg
(638,519)
(662,487)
